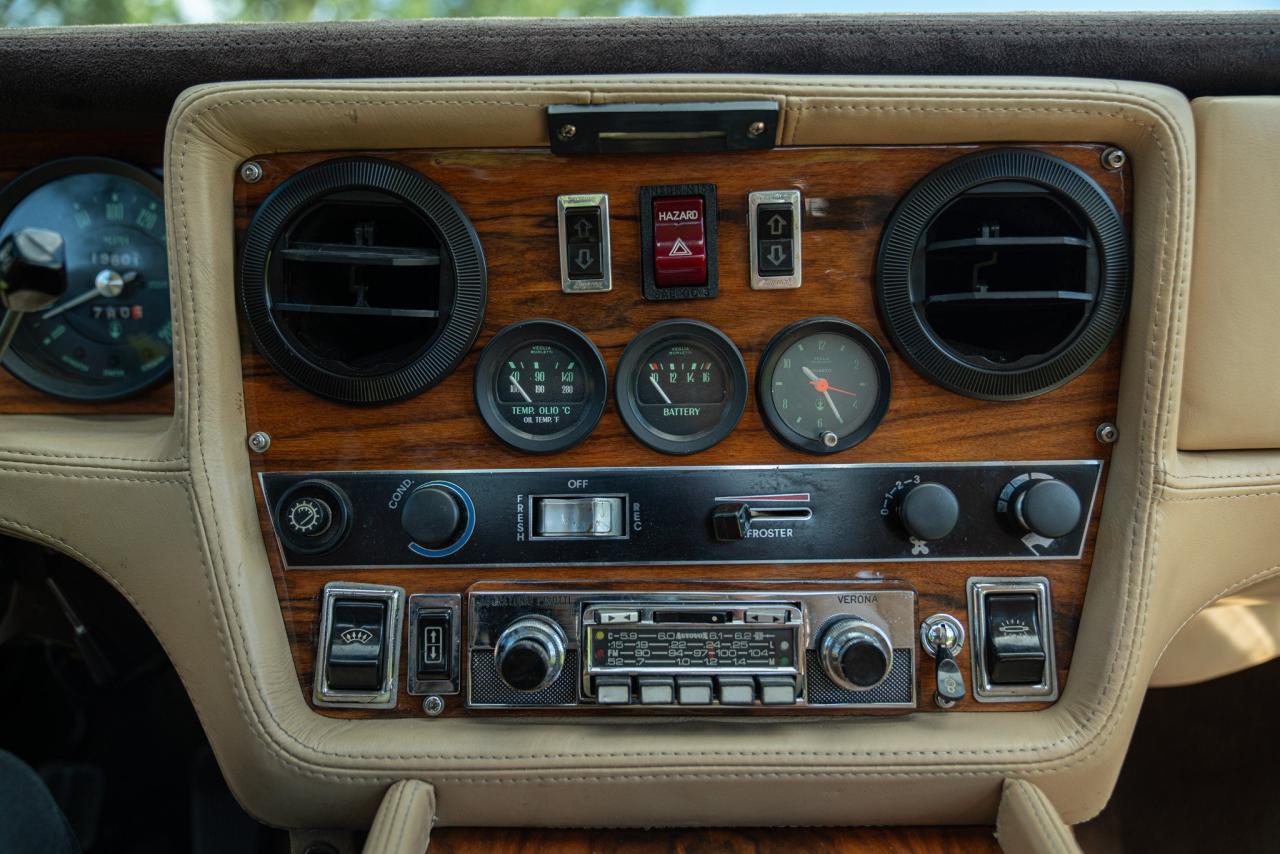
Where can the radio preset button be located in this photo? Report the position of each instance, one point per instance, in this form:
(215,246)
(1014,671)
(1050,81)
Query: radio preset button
(613,690)
(737,690)
(657,690)
(604,617)
(777,690)
(765,615)
(694,690)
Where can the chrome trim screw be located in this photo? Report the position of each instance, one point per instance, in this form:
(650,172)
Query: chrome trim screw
(567,132)
(433,706)
(755,129)
(251,172)
(1113,158)
(1107,433)
(259,442)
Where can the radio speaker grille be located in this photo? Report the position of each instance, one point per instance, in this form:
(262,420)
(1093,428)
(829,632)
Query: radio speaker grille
(488,689)
(896,690)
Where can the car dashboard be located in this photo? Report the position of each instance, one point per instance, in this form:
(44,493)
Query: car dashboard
(644,449)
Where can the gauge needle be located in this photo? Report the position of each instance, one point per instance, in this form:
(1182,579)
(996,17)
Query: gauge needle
(516,383)
(824,388)
(108,283)
(653,378)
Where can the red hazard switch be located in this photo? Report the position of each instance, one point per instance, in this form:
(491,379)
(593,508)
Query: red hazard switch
(679,242)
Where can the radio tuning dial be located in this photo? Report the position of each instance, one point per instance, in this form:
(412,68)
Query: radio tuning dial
(530,653)
(856,654)
(929,511)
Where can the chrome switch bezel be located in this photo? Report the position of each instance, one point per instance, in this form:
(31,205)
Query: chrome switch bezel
(1046,690)
(387,694)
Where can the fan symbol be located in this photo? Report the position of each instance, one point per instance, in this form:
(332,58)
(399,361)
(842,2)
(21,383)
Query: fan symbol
(918,546)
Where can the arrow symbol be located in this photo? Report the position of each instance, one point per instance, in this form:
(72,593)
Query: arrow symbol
(584,258)
(583,228)
(776,224)
(776,254)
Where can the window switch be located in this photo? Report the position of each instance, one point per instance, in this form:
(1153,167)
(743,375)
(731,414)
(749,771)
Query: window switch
(774,223)
(435,641)
(585,265)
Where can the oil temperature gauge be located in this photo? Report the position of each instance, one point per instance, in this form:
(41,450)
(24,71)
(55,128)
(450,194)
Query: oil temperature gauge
(541,386)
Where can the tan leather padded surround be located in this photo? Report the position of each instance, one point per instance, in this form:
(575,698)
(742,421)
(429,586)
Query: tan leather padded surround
(403,823)
(1231,392)
(1027,823)
(167,514)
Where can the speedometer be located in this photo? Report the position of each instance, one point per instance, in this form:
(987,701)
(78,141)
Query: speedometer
(110,335)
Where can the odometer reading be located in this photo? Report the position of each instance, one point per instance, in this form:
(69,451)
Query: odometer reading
(637,648)
(540,385)
(110,334)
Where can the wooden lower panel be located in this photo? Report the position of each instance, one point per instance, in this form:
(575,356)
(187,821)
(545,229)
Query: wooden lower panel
(510,196)
(749,840)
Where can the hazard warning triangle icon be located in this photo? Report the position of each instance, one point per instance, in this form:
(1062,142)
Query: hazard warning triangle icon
(679,249)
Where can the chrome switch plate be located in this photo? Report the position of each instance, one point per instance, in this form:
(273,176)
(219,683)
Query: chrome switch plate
(604,282)
(386,694)
(790,198)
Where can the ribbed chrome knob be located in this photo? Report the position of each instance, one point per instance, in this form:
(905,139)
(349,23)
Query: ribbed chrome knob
(856,654)
(530,653)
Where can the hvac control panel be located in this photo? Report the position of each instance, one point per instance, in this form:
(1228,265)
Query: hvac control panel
(681,515)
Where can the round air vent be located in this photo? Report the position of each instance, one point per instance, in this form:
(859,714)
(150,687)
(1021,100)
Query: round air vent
(1003,274)
(362,281)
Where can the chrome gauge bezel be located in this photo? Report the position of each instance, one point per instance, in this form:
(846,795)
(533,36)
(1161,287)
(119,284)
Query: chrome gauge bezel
(523,334)
(664,333)
(780,343)
(19,364)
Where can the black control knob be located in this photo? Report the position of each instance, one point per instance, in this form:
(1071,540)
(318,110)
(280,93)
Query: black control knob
(929,511)
(313,516)
(433,516)
(530,653)
(1044,506)
(308,516)
(856,654)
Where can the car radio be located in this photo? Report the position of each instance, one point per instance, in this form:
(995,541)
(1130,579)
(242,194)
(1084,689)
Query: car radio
(834,647)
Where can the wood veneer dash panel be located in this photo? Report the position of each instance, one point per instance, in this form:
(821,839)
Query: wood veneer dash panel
(849,193)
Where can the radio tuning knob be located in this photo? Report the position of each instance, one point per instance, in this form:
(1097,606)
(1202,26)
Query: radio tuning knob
(929,511)
(856,654)
(530,653)
(1043,505)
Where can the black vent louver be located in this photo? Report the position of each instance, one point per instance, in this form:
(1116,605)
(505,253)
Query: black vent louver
(1003,274)
(362,281)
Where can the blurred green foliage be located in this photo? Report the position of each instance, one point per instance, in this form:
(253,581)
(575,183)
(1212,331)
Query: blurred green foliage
(47,13)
